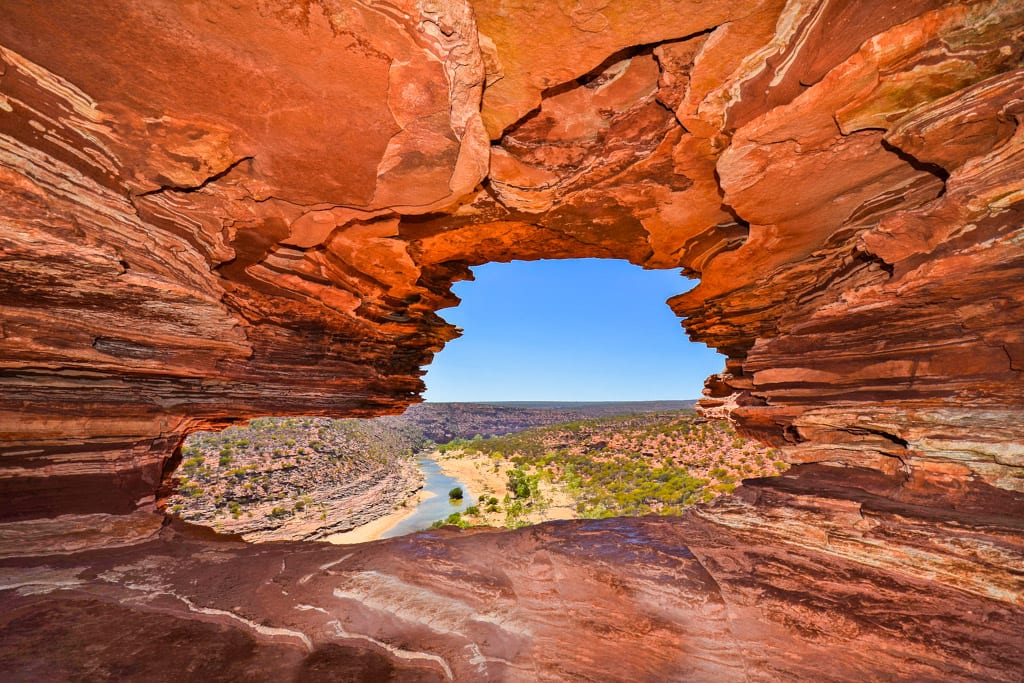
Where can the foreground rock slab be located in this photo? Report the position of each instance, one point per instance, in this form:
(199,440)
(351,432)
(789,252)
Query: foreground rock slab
(705,597)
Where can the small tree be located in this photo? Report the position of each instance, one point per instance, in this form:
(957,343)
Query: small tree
(455,493)
(519,483)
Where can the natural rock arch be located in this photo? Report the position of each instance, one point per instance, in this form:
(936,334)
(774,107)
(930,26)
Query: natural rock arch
(179,256)
(231,211)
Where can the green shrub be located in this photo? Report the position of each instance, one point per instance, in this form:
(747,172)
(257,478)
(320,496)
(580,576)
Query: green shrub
(193,463)
(454,519)
(455,493)
(190,490)
(520,484)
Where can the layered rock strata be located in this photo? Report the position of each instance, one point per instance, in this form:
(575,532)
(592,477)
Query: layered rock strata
(291,479)
(181,251)
(217,211)
(649,599)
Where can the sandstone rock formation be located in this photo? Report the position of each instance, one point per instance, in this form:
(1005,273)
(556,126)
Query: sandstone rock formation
(220,210)
(618,600)
(295,479)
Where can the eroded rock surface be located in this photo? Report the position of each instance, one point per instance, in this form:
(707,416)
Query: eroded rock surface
(295,479)
(222,210)
(647,599)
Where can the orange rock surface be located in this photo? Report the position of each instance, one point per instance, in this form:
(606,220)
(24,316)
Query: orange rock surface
(213,211)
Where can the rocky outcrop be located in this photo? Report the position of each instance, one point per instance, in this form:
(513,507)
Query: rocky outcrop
(200,218)
(218,211)
(648,599)
(183,251)
(296,479)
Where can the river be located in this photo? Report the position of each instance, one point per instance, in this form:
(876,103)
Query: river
(437,506)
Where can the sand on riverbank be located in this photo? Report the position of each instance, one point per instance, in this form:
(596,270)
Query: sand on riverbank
(475,471)
(478,473)
(371,531)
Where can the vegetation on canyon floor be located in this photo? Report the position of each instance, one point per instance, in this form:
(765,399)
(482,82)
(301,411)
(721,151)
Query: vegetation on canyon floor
(308,477)
(652,463)
(279,472)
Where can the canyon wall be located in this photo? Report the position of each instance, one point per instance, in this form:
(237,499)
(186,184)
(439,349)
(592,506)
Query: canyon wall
(214,211)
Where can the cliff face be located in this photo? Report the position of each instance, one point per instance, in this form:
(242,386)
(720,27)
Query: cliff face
(215,211)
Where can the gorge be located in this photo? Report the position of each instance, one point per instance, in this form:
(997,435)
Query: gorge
(216,211)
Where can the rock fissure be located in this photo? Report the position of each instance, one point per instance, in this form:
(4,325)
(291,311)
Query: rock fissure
(195,188)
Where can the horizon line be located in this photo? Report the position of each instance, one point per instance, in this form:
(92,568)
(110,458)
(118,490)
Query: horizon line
(567,400)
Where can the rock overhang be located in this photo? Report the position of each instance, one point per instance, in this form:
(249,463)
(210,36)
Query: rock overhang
(231,211)
(216,211)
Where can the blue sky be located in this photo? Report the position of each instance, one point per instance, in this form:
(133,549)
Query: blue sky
(573,330)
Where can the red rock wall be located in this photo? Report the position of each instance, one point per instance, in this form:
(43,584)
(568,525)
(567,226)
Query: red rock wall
(212,212)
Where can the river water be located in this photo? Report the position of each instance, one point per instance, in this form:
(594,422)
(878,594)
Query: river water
(435,507)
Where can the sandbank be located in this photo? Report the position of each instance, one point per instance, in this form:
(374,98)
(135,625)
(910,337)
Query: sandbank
(371,531)
(477,472)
